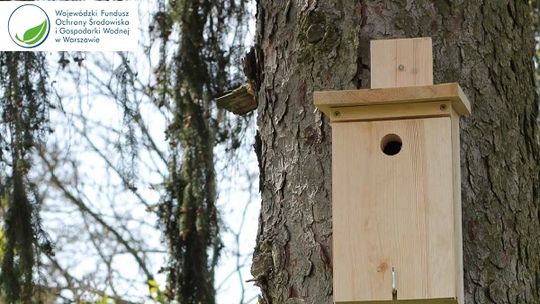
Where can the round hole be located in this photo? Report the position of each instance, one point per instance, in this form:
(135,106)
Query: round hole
(391,144)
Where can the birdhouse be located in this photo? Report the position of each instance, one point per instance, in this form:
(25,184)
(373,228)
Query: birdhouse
(396,198)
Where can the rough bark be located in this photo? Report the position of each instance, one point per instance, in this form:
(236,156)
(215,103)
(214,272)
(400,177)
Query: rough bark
(486,46)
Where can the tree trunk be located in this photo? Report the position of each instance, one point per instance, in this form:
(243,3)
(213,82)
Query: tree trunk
(486,46)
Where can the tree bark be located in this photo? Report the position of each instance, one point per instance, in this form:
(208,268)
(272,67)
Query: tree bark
(486,46)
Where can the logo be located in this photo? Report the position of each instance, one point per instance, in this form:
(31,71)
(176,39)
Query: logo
(29,26)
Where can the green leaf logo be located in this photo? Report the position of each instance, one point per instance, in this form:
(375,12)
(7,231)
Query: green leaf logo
(34,35)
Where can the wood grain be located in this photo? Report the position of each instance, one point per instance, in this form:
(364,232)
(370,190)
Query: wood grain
(403,211)
(391,111)
(424,301)
(458,233)
(328,101)
(393,211)
(401,63)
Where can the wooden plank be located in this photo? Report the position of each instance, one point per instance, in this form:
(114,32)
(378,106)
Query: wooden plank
(425,301)
(393,211)
(383,63)
(401,63)
(327,100)
(386,111)
(458,233)
(423,61)
(405,69)
(238,101)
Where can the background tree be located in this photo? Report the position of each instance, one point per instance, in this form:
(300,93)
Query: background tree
(486,46)
(107,174)
(23,122)
(200,71)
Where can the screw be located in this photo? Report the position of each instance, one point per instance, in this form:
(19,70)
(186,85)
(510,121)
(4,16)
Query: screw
(401,67)
(443,107)
(337,113)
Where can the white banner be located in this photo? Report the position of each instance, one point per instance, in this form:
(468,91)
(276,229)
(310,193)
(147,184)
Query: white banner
(69,25)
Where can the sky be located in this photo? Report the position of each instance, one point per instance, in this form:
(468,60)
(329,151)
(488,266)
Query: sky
(78,96)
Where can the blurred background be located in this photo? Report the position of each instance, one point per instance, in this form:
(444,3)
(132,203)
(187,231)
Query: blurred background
(140,187)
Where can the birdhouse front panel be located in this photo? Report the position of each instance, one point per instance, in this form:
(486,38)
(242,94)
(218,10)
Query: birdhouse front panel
(393,211)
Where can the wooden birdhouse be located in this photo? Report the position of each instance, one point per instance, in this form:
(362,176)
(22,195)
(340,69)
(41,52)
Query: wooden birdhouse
(396,198)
